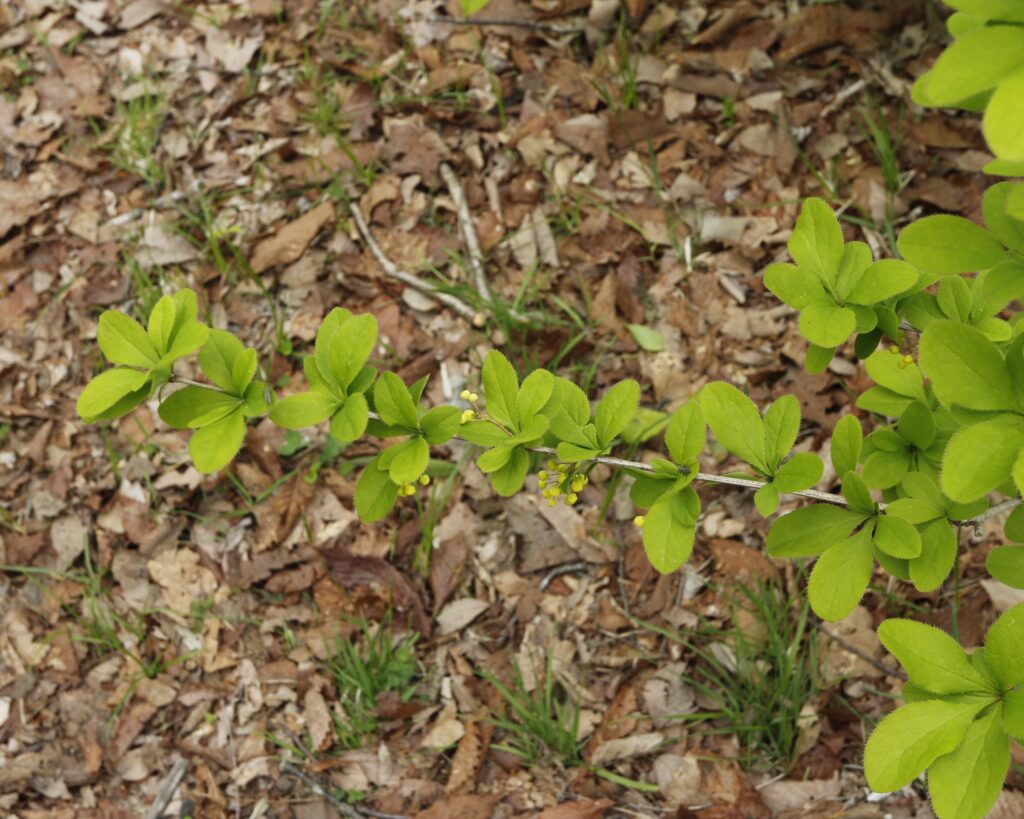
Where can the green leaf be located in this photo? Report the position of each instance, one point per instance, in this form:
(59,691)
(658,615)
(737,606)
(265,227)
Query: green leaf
(897,537)
(534,394)
(351,419)
(669,530)
(686,433)
(933,659)
(840,576)
(212,447)
(827,325)
(856,260)
(531,431)
(1013,714)
(161,324)
(800,472)
(106,389)
(304,409)
(351,347)
(616,410)
(188,339)
(766,500)
(1006,564)
(494,459)
(1008,230)
(510,478)
(218,356)
(440,424)
(882,280)
(243,371)
(974,63)
(883,470)
(917,425)
(647,337)
(817,241)
(123,341)
(406,461)
(1009,10)
(781,425)
(938,552)
(857,494)
(1014,526)
(1003,123)
(181,409)
(965,783)
(847,440)
(979,458)
(1003,647)
(376,493)
(795,286)
(735,422)
(945,245)
(571,453)
(818,358)
(469,7)
(966,368)
(809,531)
(482,433)
(393,403)
(911,738)
(883,367)
(501,388)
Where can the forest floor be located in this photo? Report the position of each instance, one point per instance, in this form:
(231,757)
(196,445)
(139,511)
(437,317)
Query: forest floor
(173,644)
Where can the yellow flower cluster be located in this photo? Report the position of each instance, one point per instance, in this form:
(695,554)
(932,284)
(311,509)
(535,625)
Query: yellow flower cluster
(905,361)
(561,481)
(409,489)
(472,398)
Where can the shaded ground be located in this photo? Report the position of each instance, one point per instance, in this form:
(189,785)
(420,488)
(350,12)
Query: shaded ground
(631,168)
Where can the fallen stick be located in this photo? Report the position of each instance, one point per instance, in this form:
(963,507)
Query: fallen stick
(476,317)
(467,229)
(538,25)
(167,789)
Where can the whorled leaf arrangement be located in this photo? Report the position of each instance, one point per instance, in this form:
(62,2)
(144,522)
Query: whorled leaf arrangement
(948,395)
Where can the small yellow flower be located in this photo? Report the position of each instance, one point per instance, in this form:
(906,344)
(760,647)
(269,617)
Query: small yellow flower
(571,498)
(577,485)
(552,464)
(468,415)
(542,475)
(473,398)
(465,395)
(894,349)
(552,502)
(424,480)
(639,521)
(908,360)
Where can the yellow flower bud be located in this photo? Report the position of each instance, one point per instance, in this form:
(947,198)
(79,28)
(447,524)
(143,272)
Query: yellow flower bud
(639,521)
(571,498)
(577,486)
(542,475)
(468,415)
(552,502)
(894,349)
(552,464)
(424,480)
(473,397)
(465,395)
(908,360)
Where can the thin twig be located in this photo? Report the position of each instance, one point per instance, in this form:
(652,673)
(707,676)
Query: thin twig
(892,672)
(167,789)
(467,229)
(475,317)
(310,782)
(539,25)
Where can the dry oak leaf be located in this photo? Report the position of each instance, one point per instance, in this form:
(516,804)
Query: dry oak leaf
(463,806)
(182,579)
(460,613)
(292,240)
(468,757)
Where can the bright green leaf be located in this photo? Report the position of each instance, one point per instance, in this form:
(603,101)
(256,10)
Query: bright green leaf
(534,394)
(766,500)
(181,409)
(800,472)
(966,368)
(1003,123)
(647,337)
(809,531)
(897,537)
(735,422)
(440,424)
(123,341)
(979,458)
(1006,564)
(817,241)
(795,286)
(218,356)
(213,447)
(882,280)
(911,738)
(669,530)
(840,576)
(616,410)
(349,422)
(304,409)
(1003,647)
(375,493)
(406,461)
(501,388)
(933,659)
(827,325)
(945,245)
(393,403)
(161,324)
(510,478)
(847,440)
(965,783)
(106,389)
(781,425)
(686,434)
